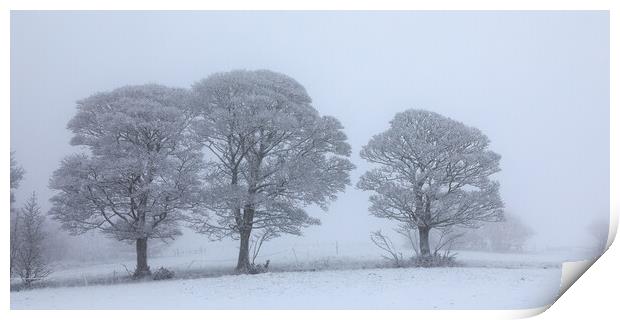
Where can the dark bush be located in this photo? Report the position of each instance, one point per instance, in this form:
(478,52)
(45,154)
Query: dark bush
(163,274)
(435,261)
(258,268)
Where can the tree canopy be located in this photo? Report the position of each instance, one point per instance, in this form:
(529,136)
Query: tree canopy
(431,172)
(271,154)
(141,170)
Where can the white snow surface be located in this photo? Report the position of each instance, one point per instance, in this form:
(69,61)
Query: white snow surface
(348,280)
(315,257)
(406,288)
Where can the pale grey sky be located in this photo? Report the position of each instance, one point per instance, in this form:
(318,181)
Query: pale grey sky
(537,83)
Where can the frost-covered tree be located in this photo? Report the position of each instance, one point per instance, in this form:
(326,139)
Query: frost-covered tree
(14,239)
(30,263)
(511,234)
(270,155)
(17,174)
(431,172)
(141,174)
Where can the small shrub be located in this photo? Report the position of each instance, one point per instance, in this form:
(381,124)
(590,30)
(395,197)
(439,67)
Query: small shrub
(435,261)
(258,268)
(163,274)
(384,243)
(141,274)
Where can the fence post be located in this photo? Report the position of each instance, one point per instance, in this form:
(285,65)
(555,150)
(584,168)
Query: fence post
(295,254)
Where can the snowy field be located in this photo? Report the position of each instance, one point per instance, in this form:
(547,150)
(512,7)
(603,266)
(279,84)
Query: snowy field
(309,279)
(441,288)
(216,259)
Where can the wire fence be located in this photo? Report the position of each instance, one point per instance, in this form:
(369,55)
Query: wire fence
(203,261)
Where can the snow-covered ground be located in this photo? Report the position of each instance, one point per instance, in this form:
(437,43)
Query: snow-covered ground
(412,288)
(215,260)
(342,278)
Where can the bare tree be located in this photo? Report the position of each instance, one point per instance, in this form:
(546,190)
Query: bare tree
(440,239)
(446,240)
(17,174)
(257,242)
(384,243)
(142,173)
(431,172)
(411,236)
(271,154)
(31,264)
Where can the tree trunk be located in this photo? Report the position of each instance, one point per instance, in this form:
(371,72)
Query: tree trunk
(243,262)
(425,249)
(142,267)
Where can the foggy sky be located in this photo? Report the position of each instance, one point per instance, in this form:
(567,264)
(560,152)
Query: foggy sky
(536,83)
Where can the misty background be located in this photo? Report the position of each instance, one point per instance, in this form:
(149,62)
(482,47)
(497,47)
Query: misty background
(536,83)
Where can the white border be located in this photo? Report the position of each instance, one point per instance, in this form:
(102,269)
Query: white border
(594,295)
